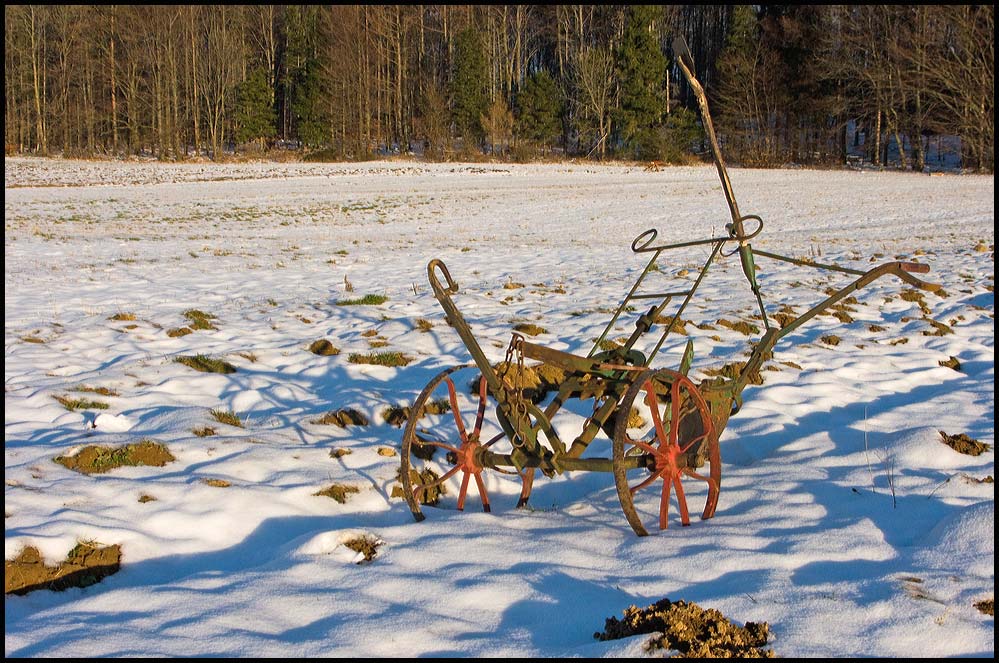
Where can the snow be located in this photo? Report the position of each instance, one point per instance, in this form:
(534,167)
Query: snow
(836,492)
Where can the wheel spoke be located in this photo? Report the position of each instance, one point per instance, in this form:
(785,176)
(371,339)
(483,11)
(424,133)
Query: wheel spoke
(674,427)
(648,481)
(482,492)
(436,482)
(643,445)
(664,506)
(681,500)
(496,439)
(434,443)
(483,391)
(653,403)
(693,441)
(463,491)
(453,397)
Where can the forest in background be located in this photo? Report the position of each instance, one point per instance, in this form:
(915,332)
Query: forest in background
(788,83)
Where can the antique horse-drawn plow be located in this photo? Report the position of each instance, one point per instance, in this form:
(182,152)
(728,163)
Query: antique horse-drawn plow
(664,429)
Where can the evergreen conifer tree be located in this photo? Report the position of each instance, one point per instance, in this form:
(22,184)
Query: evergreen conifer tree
(641,71)
(468,85)
(255,116)
(539,104)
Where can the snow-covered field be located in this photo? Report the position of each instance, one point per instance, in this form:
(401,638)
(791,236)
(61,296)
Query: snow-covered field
(843,522)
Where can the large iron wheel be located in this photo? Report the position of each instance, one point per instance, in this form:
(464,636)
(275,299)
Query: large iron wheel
(443,441)
(675,441)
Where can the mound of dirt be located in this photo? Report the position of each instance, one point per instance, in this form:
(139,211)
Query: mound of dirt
(690,630)
(85,565)
(97,459)
(964,444)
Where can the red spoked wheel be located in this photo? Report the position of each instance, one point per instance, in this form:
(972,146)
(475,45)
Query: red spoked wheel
(673,441)
(442,444)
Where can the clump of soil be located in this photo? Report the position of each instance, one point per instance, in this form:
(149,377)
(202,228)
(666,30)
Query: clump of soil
(429,497)
(530,329)
(119,317)
(732,370)
(396,415)
(840,313)
(666,320)
(204,431)
(951,363)
(324,348)
(177,332)
(339,492)
(741,326)
(830,339)
(366,545)
(146,498)
(985,479)
(86,564)
(635,419)
(97,460)
(339,452)
(388,452)
(963,444)
(987,607)
(342,418)
(917,297)
(216,483)
(691,630)
(784,318)
(939,328)
(875,328)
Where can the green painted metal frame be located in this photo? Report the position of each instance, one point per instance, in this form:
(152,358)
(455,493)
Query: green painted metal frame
(606,375)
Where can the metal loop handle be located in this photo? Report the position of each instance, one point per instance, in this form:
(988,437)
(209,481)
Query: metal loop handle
(435,283)
(637,247)
(746,236)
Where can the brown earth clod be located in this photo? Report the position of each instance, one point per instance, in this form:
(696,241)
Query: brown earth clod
(692,631)
(86,564)
(964,444)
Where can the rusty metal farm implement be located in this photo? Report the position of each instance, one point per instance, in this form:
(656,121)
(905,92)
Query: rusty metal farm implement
(664,428)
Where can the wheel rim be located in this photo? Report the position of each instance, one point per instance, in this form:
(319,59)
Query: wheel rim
(449,444)
(669,449)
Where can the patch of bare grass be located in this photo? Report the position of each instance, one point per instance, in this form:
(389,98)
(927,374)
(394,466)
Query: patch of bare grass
(198,319)
(102,391)
(227,417)
(392,359)
(73,404)
(96,459)
(366,300)
(206,364)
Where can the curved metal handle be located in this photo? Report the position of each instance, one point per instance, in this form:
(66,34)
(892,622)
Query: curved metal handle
(638,246)
(735,228)
(437,264)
